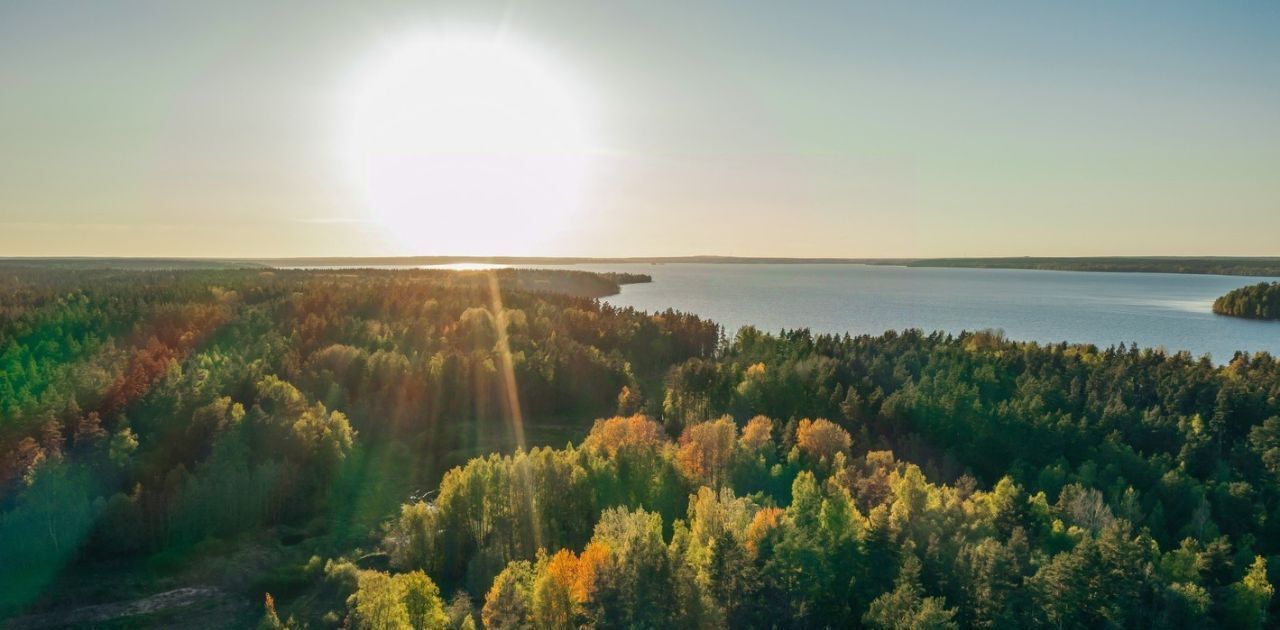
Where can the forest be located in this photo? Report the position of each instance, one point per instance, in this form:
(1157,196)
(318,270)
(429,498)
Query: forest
(1258,301)
(436,449)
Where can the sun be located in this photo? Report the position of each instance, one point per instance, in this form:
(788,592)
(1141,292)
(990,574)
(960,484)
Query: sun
(465,144)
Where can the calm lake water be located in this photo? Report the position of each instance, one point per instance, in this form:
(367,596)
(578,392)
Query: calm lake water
(1168,310)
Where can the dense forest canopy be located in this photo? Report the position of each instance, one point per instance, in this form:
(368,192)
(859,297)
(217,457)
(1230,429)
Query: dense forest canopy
(1258,301)
(145,413)
(285,436)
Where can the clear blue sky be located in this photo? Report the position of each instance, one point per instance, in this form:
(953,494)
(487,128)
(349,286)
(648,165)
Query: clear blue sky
(740,128)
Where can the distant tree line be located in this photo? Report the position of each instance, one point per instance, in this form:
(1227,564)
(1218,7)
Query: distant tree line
(1224,266)
(301,422)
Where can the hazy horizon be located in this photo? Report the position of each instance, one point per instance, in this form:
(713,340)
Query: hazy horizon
(723,129)
(639,258)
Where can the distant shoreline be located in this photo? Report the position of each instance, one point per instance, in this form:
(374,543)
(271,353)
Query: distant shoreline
(1201,265)
(572,260)
(1191,265)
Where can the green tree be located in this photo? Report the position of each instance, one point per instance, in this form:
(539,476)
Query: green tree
(906,607)
(1248,599)
(422,601)
(378,603)
(636,587)
(734,581)
(509,601)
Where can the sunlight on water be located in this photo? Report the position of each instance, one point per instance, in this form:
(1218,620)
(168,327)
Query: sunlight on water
(464,266)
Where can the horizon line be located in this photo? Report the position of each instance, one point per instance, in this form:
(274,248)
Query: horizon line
(499,258)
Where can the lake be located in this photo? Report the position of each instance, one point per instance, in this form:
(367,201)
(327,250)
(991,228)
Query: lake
(1152,309)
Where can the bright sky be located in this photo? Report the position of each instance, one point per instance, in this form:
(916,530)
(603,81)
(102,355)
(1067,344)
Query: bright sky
(890,129)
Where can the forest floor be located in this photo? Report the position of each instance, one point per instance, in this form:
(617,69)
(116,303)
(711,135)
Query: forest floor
(218,584)
(189,607)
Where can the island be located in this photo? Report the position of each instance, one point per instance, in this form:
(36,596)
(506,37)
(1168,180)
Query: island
(1257,301)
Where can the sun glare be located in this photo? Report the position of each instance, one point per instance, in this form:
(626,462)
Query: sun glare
(467,145)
